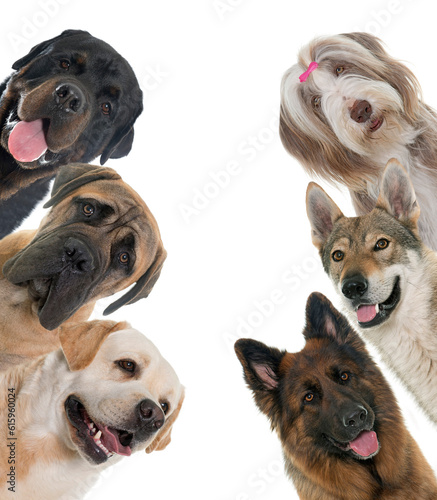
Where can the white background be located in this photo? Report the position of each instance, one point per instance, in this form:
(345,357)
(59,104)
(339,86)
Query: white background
(210,72)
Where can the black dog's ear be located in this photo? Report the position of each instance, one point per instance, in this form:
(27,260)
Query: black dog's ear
(74,175)
(323,320)
(143,286)
(41,47)
(121,142)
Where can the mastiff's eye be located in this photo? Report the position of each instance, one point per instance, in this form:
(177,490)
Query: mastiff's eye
(338,255)
(339,70)
(165,407)
(88,209)
(344,376)
(127,365)
(64,64)
(123,258)
(381,244)
(106,108)
(316,102)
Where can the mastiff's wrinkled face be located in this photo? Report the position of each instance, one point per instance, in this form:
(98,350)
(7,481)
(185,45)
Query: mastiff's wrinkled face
(98,238)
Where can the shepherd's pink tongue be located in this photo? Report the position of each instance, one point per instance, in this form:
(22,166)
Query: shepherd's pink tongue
(110,441)
(365,444)
(366,313)
(27,141)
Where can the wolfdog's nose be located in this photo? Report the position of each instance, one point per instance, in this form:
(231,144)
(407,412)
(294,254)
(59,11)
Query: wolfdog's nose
(354,287)
(361,111)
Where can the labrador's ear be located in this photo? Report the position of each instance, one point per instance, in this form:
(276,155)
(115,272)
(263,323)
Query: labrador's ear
(43,46)
(144,284)
(74,175)
(81,341)
(163,438)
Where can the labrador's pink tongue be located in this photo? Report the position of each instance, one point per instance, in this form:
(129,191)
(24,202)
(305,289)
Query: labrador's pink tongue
(365,444)
(27,141)
(110,441)
(366,313)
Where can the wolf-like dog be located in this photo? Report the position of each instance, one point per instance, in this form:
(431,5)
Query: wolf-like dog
(340,427)
(386,277)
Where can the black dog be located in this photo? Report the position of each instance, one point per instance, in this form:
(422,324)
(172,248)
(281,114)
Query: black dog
(72,98)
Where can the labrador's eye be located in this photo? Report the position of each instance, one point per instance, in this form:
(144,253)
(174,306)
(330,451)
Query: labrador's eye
(127,365)
(165,407)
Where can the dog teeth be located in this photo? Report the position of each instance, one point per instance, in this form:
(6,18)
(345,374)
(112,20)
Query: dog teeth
(97,436)
(377,308)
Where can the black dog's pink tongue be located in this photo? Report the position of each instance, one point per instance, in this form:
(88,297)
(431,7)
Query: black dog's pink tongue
(366,313)
(27,141)
(365,444)
(110,441)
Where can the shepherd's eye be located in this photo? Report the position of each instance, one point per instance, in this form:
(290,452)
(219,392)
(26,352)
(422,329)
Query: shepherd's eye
(309,397)
(127,365)
(88,209)
(344,376)
(339,70)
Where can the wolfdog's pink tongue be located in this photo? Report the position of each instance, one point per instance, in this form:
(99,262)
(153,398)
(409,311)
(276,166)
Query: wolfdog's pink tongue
(27,141)
(365,444)
(366,313)
(110,441)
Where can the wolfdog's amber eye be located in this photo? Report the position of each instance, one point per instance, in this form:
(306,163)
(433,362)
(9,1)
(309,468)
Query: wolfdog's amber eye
(338,255)
(344,376)
(339,70)
(309,397)
(316,102)
(381,244)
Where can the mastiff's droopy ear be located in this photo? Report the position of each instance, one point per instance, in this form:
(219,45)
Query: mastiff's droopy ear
(42,47)
(81,341)
(163,438)
(144,285)
(75,175)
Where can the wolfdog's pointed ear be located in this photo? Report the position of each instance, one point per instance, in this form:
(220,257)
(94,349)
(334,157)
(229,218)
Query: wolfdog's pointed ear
(397,196)
(322,213)
(261,367)
(323,320)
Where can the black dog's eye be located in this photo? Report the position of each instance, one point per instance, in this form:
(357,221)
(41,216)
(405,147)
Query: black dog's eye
(64,64)
(106,108)
(344,376)
(338,255)
(316,102)
(381,244)
(309,397)
(88,209)
(123,258)
(127,365)
(339,70)
(165,407)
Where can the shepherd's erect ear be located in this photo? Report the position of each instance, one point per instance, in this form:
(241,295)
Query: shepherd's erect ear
(323,320)
(322,214)
(163,438)
(397,196)
(74,175)
(81,341)
(41,47)
(144,285)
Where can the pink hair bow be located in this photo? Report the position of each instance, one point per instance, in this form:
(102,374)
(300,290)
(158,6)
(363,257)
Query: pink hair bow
(303,77)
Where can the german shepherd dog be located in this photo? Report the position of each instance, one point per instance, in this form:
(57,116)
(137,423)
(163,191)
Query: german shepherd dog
(341,429)
(387,278)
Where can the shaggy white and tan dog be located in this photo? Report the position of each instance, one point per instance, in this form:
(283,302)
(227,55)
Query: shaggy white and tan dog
(347,107)
(62,425)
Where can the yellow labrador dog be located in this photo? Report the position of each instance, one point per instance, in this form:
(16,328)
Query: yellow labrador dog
(62,424)
(98,238)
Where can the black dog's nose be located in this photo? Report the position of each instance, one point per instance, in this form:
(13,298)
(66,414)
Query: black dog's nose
(69,97)
(355,418)
(354,287)
(77,254)
(361,111)
(151,413)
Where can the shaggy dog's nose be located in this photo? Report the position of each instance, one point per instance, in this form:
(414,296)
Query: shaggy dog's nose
(361,111)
